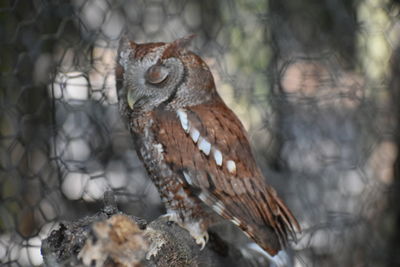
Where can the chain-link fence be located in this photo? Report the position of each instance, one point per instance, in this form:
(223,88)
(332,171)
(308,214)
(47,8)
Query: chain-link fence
(316,83)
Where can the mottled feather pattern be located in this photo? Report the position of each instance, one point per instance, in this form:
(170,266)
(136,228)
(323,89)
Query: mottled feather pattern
(194,147)
(173,190)
(242,195)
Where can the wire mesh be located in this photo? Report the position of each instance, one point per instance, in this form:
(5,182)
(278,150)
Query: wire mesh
(315,83)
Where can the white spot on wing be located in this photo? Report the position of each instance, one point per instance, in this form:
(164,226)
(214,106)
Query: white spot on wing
(204,146)
(231,166)
(235,221)
(218,207)
(180,193)
(217,157)
(188,178)
(203,197)
(182,115)
(194,134)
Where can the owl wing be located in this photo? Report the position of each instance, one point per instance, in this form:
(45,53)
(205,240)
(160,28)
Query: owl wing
(207,144)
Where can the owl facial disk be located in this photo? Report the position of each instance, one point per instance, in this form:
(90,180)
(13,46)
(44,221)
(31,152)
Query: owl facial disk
(144,75)
(152,80)
(149,82)
(152,73)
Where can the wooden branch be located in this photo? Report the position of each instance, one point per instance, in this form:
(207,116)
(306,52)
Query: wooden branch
(111,238)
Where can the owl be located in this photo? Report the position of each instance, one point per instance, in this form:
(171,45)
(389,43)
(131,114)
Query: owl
(194,148)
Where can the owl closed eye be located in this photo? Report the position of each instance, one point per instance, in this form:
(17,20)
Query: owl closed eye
(156,74)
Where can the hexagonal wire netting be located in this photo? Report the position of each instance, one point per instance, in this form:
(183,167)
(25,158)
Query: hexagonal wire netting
(315,84)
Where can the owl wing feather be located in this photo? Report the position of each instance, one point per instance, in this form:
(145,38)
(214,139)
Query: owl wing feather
(208,145)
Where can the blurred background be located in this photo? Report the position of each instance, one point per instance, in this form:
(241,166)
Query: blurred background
(316,84)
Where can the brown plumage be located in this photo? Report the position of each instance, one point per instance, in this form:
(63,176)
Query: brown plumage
(194,147)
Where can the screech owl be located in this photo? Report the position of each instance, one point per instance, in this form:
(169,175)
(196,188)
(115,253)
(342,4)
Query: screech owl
(194,147)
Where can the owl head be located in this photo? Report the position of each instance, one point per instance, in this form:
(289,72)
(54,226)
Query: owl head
(162,74)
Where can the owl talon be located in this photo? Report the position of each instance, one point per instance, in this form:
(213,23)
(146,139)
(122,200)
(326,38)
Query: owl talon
(199,233)
(201,240)
(196,229)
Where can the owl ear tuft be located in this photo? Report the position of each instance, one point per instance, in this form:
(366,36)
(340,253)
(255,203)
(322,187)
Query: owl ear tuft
(178,46)
(125,49)
(125,44)
(184,41)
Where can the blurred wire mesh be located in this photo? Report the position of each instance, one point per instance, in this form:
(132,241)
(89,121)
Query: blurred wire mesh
(316,83)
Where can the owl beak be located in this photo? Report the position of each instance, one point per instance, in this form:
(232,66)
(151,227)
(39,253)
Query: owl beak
(136,100)
(131,98)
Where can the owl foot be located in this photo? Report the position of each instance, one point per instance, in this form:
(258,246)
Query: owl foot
(201,239)
(196,229)
(198,232)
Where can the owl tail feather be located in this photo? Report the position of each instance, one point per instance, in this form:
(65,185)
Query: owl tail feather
(280,223)
(288,218)
(266,237)
(284,221)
